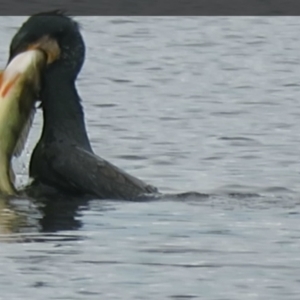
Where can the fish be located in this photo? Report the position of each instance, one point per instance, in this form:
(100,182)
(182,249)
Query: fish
(20,83)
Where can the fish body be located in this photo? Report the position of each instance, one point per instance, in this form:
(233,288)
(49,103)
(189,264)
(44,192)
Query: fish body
(19,87)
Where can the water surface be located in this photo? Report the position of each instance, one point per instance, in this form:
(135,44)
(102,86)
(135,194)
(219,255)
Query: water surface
(209,105)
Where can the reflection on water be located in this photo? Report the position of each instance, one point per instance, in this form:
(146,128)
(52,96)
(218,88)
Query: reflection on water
(55,214)
(11,221)
(23,218)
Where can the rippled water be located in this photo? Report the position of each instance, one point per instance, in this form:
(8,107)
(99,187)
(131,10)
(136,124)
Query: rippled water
(209,105)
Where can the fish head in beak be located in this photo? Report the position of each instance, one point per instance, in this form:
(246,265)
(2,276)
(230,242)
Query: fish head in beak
(58,36)
(45,44)
(52,32)
(48,45)
(42,32)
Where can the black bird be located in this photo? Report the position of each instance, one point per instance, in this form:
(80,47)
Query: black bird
(63,159)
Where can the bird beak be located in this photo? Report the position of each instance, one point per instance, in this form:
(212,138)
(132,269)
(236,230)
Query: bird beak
(45,44)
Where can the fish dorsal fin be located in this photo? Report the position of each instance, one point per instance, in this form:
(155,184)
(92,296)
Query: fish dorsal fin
(24,134)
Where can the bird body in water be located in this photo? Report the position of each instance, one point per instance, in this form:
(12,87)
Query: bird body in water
(63,158)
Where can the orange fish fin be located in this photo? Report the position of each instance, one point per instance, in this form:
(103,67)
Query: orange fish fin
(9,85)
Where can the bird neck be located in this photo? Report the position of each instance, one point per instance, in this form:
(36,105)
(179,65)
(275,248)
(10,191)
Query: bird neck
(62,110)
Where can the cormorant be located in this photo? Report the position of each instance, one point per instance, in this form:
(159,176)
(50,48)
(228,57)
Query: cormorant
(63,159)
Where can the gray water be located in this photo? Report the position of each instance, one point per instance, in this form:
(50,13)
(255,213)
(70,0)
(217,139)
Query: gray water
(209,105)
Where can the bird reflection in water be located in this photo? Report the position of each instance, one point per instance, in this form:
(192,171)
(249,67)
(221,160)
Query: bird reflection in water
(27,220)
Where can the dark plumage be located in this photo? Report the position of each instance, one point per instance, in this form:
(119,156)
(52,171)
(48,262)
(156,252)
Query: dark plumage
(63,159)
